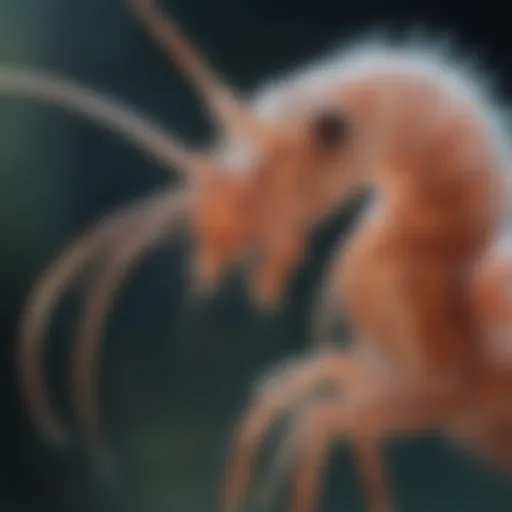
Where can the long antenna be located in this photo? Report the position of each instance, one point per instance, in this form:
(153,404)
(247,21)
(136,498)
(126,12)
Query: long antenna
(228,110)
(104,111)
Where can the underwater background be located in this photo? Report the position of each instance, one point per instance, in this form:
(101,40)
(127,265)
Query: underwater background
(175,376)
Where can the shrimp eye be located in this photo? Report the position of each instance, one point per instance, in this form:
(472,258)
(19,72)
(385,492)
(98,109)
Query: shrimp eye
(330,129)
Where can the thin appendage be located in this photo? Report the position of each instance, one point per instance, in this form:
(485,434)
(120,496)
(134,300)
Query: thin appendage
(282,464)
(41,304)
(368,454)
(226,107)
(105,112)
(157,223)
(336,368)
(374,474)
(374,417)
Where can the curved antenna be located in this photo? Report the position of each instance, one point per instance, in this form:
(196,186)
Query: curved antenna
(226,107)
(149,230)
(42,302)
(105,112)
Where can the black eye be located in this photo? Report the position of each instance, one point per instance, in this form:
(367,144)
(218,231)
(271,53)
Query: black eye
(330,129)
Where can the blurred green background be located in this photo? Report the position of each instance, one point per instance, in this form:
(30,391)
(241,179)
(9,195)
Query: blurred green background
(174,378)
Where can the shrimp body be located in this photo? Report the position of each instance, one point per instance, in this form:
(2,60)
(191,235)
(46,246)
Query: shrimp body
(407,279)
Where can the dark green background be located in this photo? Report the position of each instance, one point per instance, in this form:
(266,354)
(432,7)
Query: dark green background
(174,378)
